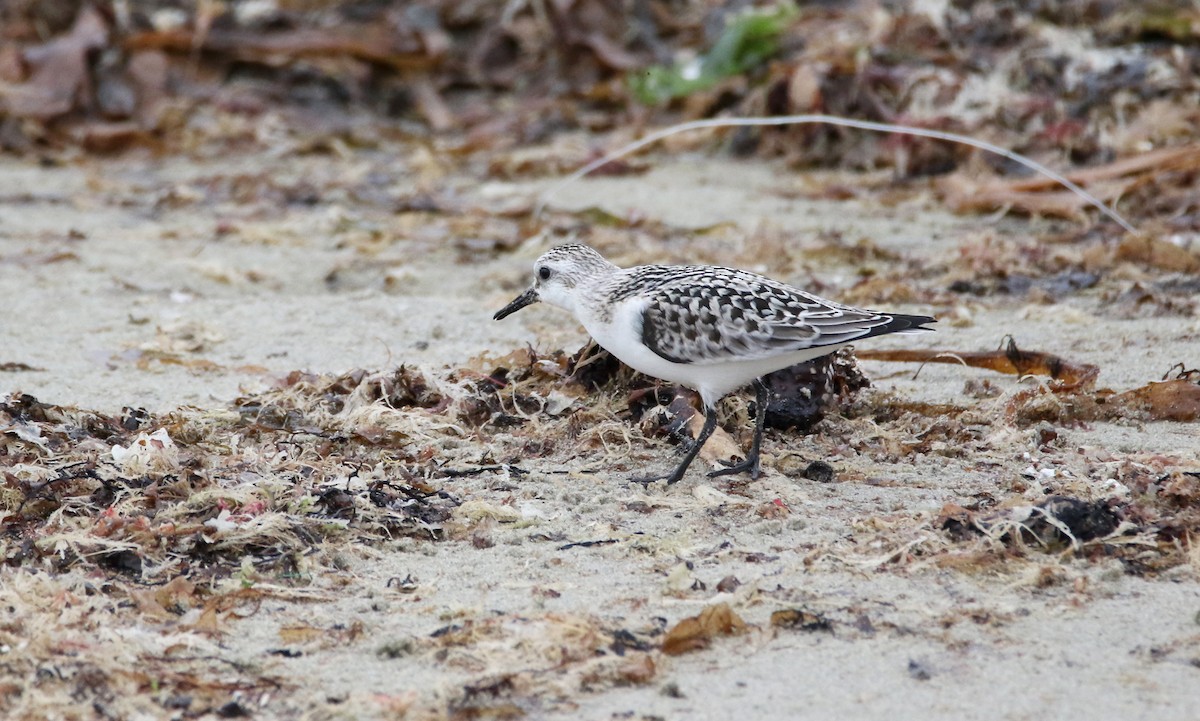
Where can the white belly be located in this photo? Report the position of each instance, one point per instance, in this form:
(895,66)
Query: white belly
(623,338)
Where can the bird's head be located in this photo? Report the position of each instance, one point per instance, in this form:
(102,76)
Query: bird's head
(557,277)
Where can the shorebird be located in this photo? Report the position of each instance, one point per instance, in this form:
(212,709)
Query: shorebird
(710,328)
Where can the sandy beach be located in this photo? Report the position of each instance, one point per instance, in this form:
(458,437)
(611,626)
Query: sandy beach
(550,586)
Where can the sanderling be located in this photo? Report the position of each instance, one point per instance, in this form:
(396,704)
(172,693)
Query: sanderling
(710,328)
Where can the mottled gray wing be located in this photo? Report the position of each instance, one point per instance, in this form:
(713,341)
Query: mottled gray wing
(742,316)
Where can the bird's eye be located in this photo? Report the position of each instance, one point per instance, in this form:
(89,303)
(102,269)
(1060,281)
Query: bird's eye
(544,273)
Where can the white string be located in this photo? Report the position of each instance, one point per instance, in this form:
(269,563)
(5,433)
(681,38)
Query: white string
(658,135)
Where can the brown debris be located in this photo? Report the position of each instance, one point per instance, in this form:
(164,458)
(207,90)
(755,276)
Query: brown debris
(520,74)
(1168,400)
(803,394)
(17,367)
(697,632)
(1072,397)
(179,523)
(1157,253)
(370,455)
(58,80)
(1008,359)
(1185,158)
(375,43)
(720,445)
(800,619)
(1043,196)
(112,137)
(1171,297)
(1050,524)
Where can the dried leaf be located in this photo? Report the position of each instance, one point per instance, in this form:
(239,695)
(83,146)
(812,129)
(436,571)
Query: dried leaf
(1158,253)
(1173,400)
(209,621)
(1154,162)
(695,632)
(60,70)
(17,367)
(111,137)
(800,619)
(375,43)
(639,669)
(1044,196)
(720,445)
(963,194)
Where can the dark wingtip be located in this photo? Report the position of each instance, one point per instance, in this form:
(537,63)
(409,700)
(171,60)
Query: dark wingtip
(900,323)
(915,322)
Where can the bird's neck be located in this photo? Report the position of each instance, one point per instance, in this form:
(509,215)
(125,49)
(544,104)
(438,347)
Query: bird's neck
(592,297)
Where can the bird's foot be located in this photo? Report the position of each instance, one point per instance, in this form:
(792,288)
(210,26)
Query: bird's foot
(750,464)
(710,423)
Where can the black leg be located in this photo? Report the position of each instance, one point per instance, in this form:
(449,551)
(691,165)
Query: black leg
(760,417)
(710,425)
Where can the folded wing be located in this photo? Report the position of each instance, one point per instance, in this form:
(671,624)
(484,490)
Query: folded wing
(735,315)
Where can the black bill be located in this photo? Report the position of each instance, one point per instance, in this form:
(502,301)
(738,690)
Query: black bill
(529,297)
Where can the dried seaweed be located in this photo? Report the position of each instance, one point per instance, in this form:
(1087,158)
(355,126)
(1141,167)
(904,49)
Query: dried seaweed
(1039,197)
(1009,359)
(1053,523)
(1177,399)
(1071,397)
(136,543)
(355,453)
(803,394)
(447,65)
(358,457)
(164,499)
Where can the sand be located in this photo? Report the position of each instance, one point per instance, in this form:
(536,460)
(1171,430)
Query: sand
(110,266)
